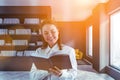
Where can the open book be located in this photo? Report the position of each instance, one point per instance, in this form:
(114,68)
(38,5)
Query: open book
(61,61)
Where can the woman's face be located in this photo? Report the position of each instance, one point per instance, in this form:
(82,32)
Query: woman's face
(50,34)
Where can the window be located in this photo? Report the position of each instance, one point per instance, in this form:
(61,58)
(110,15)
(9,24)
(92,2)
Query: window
(115,40)
(89,41)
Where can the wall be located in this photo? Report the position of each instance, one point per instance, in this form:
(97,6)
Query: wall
(100,38)
(73,34)
(104,38)
(112,6)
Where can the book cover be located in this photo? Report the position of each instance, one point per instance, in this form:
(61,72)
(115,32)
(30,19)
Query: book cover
(61,61)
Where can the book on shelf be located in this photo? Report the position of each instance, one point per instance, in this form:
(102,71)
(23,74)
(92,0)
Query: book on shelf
(23,31)
(19,53)
(2,42)
(8,53)
(11,32)
(8,44)
(11,21)
(3,31)
(62,61)
(29,52)
(20,42)
(39,43)
(32,21)
(1,20)
(31,44)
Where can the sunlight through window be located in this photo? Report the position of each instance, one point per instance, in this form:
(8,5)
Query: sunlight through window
(89,41)
(115,40)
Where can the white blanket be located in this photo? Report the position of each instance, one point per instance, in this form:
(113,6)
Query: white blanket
(86,75)
(24,75)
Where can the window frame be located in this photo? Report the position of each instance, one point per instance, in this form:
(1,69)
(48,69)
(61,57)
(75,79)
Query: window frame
(110,15)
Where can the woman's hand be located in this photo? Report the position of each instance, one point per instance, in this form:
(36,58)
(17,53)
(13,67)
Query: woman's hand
(56,71)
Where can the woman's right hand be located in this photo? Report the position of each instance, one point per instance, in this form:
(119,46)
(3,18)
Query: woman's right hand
(56,71)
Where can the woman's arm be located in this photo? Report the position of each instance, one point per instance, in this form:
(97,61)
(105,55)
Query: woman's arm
(36,74)
(70,74)
(66,74)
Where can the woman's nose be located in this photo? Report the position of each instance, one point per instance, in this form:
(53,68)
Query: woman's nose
(49,34)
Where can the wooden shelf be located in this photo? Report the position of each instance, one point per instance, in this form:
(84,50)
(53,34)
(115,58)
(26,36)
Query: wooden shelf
(21,37)
(25,11)
(19,48)
(20,26)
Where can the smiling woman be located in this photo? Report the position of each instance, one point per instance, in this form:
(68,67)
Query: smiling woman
(52,46)
(50,34)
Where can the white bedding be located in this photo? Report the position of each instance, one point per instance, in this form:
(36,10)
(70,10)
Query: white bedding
(24,75)
(86,75)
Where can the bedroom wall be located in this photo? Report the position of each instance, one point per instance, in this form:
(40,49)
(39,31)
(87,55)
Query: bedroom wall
(73,34)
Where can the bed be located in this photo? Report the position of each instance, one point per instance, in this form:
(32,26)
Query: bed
(24,75)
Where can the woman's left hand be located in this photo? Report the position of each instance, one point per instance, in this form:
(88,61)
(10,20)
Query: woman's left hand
(56,71)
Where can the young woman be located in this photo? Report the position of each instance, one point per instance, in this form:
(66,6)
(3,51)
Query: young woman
(52,46)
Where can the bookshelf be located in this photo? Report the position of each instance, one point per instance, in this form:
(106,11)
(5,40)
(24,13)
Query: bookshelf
(20,32)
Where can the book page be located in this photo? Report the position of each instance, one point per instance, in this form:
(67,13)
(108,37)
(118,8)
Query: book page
(41,63)
(61,61)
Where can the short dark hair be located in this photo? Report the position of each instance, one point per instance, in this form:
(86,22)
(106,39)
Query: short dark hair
(49,21)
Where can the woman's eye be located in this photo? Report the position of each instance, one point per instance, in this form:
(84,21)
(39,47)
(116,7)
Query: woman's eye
(45,33)
(52,31)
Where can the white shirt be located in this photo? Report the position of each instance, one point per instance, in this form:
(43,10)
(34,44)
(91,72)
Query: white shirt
(70,74)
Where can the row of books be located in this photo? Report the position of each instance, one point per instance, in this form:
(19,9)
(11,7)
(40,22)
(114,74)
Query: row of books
(16,53)
(19,32)
(20,42)
(17,21)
